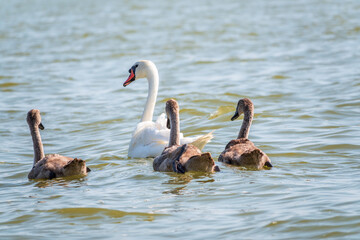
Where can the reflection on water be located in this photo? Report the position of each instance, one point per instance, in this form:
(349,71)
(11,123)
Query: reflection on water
(184,179)
(90,214)
(298,61)
(73,182)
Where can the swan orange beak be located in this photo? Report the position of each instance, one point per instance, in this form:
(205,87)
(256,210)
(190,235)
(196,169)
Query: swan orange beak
(130,79)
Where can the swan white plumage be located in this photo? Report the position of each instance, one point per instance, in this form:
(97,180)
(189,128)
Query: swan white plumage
(149,138)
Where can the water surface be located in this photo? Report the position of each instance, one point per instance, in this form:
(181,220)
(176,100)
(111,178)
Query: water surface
(297,60)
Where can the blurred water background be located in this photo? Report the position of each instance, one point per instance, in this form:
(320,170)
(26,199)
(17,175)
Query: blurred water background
(297,60)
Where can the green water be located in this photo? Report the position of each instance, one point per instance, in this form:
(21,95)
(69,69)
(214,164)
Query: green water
(297,60)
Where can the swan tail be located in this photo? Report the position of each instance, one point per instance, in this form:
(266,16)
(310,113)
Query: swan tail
(76,166)
(201,163)
(201,141)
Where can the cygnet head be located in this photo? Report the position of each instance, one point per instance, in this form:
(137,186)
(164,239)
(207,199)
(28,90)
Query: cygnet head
(34,119)
(140,69)
(244,106)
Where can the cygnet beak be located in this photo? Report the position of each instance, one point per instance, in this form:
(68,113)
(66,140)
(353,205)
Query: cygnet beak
(236,115)
(168,123)
(41,126)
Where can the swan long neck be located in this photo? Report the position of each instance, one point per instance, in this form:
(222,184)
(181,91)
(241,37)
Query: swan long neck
(174,128)
(37,144)
(153,79)
(246,124)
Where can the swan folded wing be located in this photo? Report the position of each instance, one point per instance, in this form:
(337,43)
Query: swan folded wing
(47,167)
(171,159)
(164,162)
(184,158)
(148,140)
(147,133)
(142,151)
(55,165)
(243,152)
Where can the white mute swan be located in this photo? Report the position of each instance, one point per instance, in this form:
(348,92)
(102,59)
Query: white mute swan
(51,165)
(149,138)
(241,151)
(181,158)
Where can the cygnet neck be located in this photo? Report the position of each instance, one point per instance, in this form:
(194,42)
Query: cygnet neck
(37,144)
(173,114)
(246,124)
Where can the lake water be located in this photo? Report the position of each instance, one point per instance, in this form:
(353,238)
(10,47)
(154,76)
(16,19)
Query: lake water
(297,60)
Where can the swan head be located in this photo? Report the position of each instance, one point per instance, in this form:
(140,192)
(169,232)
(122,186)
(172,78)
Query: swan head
(244,105)
(34,119)
(140,69)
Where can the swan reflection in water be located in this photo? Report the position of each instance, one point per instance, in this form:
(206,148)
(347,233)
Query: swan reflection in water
(178,182)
